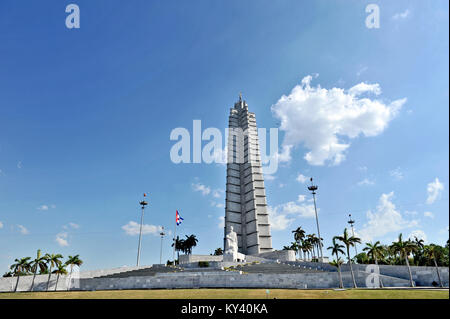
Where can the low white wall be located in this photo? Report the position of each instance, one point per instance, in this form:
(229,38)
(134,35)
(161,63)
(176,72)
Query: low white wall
(105,272)
(233,280)
(422,275)
(282,255)
(185,259)
(73,280)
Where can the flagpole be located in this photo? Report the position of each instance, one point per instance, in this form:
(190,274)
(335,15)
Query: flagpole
(143,203)
(174,242)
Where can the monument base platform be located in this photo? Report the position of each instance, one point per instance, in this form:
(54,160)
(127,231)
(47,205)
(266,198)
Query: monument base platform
(280,255)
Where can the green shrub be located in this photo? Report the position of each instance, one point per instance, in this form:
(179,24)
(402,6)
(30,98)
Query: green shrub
(203,264)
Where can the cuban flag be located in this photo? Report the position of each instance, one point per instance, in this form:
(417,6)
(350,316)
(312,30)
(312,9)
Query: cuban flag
(178,218)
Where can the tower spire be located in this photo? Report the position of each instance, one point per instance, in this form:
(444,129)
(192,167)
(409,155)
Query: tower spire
(240,96)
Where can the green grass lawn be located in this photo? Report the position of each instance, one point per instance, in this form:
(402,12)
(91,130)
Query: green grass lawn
(236,294)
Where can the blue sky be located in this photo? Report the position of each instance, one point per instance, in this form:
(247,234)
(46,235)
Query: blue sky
(86,115)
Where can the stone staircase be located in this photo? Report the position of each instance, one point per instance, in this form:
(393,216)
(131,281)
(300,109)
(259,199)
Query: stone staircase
(254,267)
(149,271)
(273,268)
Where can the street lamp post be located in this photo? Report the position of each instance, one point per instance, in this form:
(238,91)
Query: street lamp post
(313,189)
(351,222)
(160,252)
(143,204)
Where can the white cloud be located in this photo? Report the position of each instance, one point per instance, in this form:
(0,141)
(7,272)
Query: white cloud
(396,174)
(410,213)
(386,219)
(23,230)
(361,71)
(19,164)
(420,234)
(401,15)
(218,193)
(304,210)
(221,222)
(1,225)
(428,214)
(366,181)
(133,228)
(74,226)
(216,204)
(324,120)
(362,88)
(46,207)
(301,178)
(301,198)
(434,190)
(362,168)
(277,221)
(61,239)
(269,177)
(285,155)
(205,190)
(281,216)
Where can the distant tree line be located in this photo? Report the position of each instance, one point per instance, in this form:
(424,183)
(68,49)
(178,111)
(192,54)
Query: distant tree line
(401,252)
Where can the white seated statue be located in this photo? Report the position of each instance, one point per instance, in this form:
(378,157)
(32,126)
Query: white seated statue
(231,247)
(231,244)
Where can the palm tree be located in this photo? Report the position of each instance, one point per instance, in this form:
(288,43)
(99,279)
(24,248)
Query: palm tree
(39,262)
(319,242)
(300,249)
(375,250)
(312,241)
(190,241)
(294,247)
(53,260)
(392,257)
(73,261)
(286,247)
(299,234)
(179,246)
(432,254)
(307,246)
(404,248)
(336,249)
(21,267)
(316,243)
(218,252)
(60,270)
(420,243)
(348,241)
(304,249)
(337,263)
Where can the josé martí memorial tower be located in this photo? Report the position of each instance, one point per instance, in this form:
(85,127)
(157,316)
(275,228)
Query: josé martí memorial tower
(245,202)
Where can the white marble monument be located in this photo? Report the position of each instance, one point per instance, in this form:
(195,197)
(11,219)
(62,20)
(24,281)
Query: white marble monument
(231,247)
(246,205)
